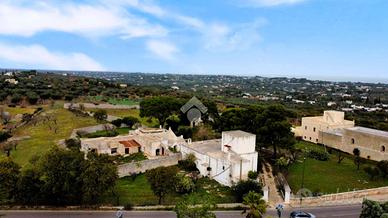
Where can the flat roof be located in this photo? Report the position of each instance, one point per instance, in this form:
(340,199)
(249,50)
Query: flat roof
(369,131)
(239,133)
(213,149)
(337,132)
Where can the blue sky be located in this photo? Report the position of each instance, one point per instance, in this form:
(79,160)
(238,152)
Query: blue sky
(320,39)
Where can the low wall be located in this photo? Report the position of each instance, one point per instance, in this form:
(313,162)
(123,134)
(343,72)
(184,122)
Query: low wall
(92,129)
(100,106)
(142,166)
(343,198)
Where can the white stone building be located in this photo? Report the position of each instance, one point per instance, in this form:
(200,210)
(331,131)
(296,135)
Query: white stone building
(312,127)
(227,160)
(151,141)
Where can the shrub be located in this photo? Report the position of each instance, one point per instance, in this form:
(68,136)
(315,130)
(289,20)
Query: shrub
(372,171)
(117,122)
(282,163)
(184,184)
(130,121)
(128,206)
(243,187)
(73,143)
(319,155)
(383,167)
(253,175)
(100,115)
(188,164)
(4,136)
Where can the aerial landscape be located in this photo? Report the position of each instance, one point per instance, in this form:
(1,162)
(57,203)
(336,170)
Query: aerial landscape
(189,109)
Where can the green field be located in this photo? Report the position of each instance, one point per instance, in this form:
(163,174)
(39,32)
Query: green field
(137,191)
(116,101)
(42,138)
(329,176)
(134,113)
(19,110)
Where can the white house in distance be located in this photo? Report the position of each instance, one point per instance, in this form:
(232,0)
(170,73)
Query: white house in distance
(227,160)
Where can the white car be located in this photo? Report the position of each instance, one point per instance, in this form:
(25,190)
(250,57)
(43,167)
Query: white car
(301,214)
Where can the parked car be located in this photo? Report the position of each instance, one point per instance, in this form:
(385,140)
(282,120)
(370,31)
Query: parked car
(301,214)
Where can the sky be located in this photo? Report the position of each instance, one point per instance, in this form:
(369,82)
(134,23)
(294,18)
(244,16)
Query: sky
(317,39)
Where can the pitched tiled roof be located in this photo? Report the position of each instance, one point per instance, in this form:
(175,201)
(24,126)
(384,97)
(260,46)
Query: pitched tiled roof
(130,143)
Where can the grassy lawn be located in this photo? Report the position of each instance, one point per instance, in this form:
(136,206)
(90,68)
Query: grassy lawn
(329,176)
(42,138)
(123,130)
(134,113)
(137,191)
(19,110)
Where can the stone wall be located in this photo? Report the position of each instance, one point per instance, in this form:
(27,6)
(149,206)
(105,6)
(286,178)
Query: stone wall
(142,166)
(100,106)
(370,145)
(343,198)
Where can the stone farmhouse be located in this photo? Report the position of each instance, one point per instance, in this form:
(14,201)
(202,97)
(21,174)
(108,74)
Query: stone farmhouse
(312,127)
(334,131)
(372,143)
(151,141)
(227,160)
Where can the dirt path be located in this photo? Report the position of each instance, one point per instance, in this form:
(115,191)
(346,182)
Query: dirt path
(274,196)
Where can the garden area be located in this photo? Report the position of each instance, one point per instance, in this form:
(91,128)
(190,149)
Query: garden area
(53,125)
(330,176)
(136,190)
(147,121)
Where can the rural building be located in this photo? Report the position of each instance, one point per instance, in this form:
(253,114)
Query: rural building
(312,127)
(227,160)
(151,141)
(372,143)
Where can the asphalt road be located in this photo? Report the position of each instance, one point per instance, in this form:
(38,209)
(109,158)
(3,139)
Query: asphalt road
(321,212)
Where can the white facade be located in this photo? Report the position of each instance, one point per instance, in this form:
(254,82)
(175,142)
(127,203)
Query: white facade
(312,127)
(151,141)
(227,160)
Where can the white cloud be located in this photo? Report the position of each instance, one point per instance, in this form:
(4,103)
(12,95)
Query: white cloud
(162,49)
(92,20)
(271,3)
(37,56)
(228,38)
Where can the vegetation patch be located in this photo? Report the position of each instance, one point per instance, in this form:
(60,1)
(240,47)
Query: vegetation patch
(116,101)
(330,176)
(137,191)
(45,134)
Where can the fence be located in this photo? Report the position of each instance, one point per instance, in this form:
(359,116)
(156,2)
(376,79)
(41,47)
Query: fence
(350,197)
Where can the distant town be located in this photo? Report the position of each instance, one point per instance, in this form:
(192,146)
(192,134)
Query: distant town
(162,141)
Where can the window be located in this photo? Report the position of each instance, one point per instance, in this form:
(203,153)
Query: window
(223,167)
(305,137)
(353,141)
(113,150)
(126,150)
(316,140)
(383,148)
(305,127)
(157,152)
(310,138)
(314,129)
(139,149)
